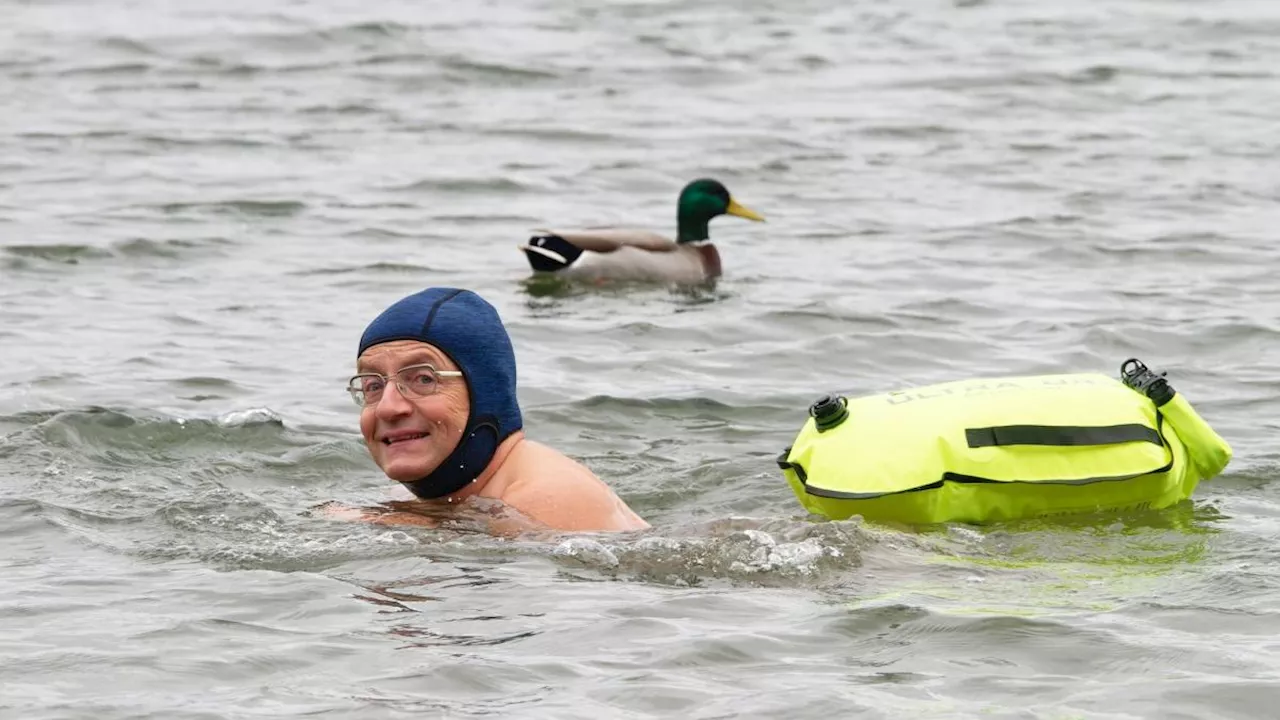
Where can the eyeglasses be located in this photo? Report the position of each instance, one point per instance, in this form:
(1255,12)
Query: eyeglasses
(412,381)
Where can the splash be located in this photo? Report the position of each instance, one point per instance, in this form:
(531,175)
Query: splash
(772,552)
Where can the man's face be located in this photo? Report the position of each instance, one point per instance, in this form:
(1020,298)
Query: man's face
(407,436)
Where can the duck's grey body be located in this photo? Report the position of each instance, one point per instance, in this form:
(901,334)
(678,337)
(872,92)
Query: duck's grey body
(626,254)
(622,254)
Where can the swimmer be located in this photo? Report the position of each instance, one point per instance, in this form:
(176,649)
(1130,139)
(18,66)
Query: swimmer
(436,383)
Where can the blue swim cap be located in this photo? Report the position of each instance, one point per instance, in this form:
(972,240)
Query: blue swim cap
(467,329)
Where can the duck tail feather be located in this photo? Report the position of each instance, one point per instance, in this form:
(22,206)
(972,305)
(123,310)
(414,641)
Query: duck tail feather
(548,252)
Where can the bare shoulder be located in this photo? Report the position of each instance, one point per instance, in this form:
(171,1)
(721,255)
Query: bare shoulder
(562,493)
(534,456)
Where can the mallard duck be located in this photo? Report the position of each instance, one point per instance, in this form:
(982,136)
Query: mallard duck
(625,254)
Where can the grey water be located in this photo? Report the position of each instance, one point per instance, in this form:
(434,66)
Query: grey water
(202,204)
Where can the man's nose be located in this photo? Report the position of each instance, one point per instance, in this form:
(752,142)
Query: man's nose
(393,403)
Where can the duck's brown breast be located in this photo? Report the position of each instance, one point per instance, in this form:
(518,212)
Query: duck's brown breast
(710,260)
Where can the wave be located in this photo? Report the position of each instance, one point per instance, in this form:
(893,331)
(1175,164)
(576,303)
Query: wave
(380,268)
(255,208)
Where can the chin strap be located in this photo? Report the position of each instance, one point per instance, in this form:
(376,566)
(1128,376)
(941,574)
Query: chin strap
(464,464)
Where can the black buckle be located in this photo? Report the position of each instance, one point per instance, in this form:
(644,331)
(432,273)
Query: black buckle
(1137,376)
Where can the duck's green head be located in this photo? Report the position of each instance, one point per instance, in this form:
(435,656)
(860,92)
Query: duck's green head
(702,200)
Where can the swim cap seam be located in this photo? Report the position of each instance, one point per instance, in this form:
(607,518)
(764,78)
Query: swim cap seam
(431,315)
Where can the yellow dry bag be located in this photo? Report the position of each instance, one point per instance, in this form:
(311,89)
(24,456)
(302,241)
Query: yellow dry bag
(982,451)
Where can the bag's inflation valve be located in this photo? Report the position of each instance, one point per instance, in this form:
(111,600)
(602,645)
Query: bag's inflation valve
(828,412)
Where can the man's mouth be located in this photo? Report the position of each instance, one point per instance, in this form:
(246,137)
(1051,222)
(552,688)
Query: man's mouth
(403,437)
